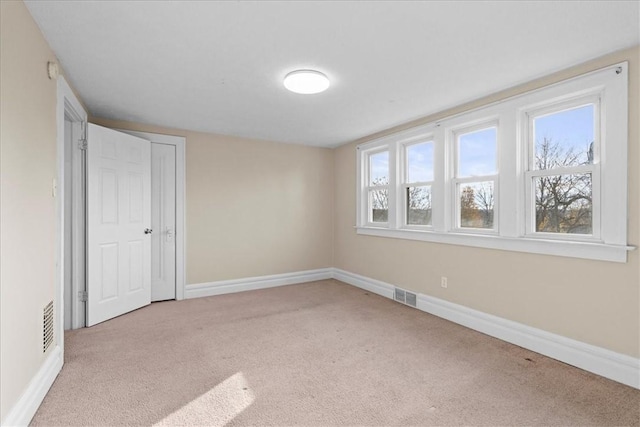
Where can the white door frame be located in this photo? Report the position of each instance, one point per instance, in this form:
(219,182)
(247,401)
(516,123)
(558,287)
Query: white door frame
(180,235)
(66,104)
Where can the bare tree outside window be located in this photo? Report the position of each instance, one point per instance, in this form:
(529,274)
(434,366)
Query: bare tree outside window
(484,201)
(419,205)
(477,205)
(563,202)
(380,200)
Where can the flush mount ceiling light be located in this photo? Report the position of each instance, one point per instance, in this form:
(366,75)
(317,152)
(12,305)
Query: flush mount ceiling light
(306,82)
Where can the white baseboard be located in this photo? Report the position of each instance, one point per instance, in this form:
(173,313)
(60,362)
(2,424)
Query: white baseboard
(253,283)
(615,366)
(24,410)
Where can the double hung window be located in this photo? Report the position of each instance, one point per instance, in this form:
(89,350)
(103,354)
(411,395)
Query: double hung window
(417,184)
(563,170)
(378,187)
(476,177)
(542,172)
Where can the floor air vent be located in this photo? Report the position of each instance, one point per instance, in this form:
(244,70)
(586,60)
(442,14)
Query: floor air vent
(410,299)
(405,297)
(47,327)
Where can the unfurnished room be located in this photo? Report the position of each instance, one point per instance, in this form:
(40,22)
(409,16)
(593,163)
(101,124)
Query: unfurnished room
(319,213)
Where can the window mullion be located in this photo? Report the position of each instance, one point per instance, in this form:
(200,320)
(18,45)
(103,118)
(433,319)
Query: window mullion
(394,181)
(440,188)
(509,180)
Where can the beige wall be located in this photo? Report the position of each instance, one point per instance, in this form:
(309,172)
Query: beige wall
(594,302)
(254,208)
(27,208)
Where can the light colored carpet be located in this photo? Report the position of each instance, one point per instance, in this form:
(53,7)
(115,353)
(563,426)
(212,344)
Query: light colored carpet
(321,353)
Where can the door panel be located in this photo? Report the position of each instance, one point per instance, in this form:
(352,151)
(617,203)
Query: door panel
(109,271)
(163,219)
(118,211)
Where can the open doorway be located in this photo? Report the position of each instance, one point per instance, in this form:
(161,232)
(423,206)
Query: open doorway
(71,273)
(168,214)
(71,119)
(73,200)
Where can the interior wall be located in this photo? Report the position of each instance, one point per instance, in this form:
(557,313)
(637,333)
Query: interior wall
(27,206)
(590,301)
(253,208)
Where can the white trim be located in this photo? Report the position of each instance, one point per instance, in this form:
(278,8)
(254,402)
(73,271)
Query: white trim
(592,169)
(366,283)
(615,366)
(66,102)
(252,283)
(23,411)
(78,224)
(534,245)
(181,196)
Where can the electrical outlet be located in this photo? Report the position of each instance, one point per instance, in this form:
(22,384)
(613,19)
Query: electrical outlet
(443,282)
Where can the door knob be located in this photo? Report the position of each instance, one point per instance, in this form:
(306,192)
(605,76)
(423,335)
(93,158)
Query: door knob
(148,231)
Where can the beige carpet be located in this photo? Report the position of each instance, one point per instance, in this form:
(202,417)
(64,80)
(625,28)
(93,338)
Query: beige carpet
(322,353)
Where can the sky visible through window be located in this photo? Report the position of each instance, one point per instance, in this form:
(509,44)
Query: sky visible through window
(570,129)
(420,162)
(379,168)
(477,151)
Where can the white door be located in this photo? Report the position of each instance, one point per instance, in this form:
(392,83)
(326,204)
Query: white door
(163,222)
(118,223)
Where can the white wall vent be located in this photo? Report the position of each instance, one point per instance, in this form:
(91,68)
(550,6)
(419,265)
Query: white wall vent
(405,297)
(47,327)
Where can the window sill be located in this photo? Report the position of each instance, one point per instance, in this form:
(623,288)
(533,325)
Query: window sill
(572,249)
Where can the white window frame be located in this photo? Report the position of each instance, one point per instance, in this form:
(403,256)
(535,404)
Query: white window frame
(512,192)
(405,184)
(457,181)
(593,169)
(369,188)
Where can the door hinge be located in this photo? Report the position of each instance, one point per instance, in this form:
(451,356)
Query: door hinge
(82,144)
(83,296)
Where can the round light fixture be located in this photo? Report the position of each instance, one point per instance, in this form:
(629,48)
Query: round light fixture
(306,82)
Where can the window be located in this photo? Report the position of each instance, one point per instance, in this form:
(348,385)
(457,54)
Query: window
(378,189)
(476,173)
(418,179)
(543,172)
(563,144)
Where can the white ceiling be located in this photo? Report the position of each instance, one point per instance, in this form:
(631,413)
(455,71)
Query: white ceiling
(218,66)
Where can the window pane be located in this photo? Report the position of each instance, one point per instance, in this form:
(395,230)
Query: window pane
(379,205)
(476,205)
(564,139)
(420,162)
(379,168)
(419,205)
(563,203)
(477,153)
